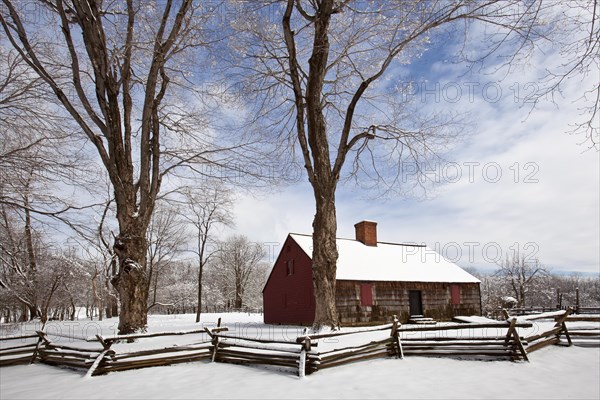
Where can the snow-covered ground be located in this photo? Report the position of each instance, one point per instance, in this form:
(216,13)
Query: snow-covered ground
(554,372)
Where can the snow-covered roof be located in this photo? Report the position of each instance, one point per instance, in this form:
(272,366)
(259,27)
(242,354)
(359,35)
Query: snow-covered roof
(390,262)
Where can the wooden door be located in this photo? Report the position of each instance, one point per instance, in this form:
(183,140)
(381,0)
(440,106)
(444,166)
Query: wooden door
(414,301)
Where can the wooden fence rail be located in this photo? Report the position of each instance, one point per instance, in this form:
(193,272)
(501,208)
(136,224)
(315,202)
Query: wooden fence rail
(510,346)
(588,310)
(152,358)
(582,336)
(100,360)
(15,354)
(108,360)
(390,346)
(585,336)
(526,311)
(248,351)
(551,336)
(302,356)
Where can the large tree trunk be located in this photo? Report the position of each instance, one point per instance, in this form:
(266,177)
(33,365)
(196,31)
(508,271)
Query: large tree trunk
(322,176)
(109,125)
(325,257)
(131,281)
(34,312)
(238,295)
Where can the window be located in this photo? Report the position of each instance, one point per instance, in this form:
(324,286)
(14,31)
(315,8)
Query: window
(366,294)
(455,293)
(290,267)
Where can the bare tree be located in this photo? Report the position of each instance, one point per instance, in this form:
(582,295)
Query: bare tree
(521,275)
(18,259)
(205,210)
(38,158)
(577,38)
(104,263)
(24,117)
(239,261)
(322,74)
(37,150)
(178,290)
(166,239)
(111,51)
(33,271)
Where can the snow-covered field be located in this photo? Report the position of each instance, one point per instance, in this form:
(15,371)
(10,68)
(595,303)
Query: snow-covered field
(554,372)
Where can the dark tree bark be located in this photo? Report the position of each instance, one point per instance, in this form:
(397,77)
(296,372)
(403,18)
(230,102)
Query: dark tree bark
(108,116)
(314,142)
(331,84)
(325,257)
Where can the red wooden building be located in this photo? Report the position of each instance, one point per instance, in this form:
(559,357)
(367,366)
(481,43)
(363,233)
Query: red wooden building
(375,280)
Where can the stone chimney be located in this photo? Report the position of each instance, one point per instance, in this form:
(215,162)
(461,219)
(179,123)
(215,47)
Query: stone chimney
(366,232)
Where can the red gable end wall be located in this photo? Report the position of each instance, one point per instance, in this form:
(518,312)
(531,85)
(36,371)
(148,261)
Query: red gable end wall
(288,298)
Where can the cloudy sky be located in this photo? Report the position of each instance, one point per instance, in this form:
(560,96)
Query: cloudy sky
(517,182)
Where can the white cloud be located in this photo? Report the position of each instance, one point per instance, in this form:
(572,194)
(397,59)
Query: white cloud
(545,203)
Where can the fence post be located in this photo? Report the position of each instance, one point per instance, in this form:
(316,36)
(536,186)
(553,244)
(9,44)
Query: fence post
(577,301)
(215,342)
(106,349)
(42,337)
(396,337)
(105,343)
(512,332)
(97,362)
(562,323)
(302,363)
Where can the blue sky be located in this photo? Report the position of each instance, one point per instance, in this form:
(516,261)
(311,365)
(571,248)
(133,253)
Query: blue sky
(518,181)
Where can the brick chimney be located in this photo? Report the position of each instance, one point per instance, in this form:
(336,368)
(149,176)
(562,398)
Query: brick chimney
(366,232)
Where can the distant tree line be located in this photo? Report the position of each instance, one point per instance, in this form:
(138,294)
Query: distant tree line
(124,85)
(522,283)
(40,279)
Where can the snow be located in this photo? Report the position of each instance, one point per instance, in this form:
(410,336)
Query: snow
(554,372)
(576,368)
(475,319)
(390,262)
(549,314)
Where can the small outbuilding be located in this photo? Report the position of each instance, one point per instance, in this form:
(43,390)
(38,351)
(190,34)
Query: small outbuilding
(375,280)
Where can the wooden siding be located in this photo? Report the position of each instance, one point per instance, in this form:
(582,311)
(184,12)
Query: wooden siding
(391,298)
(288,294)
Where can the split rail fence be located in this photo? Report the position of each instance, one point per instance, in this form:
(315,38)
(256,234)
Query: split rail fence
(551,336)
(585,336)
(581,336)
(510,346)
(500,340)
(17,354)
